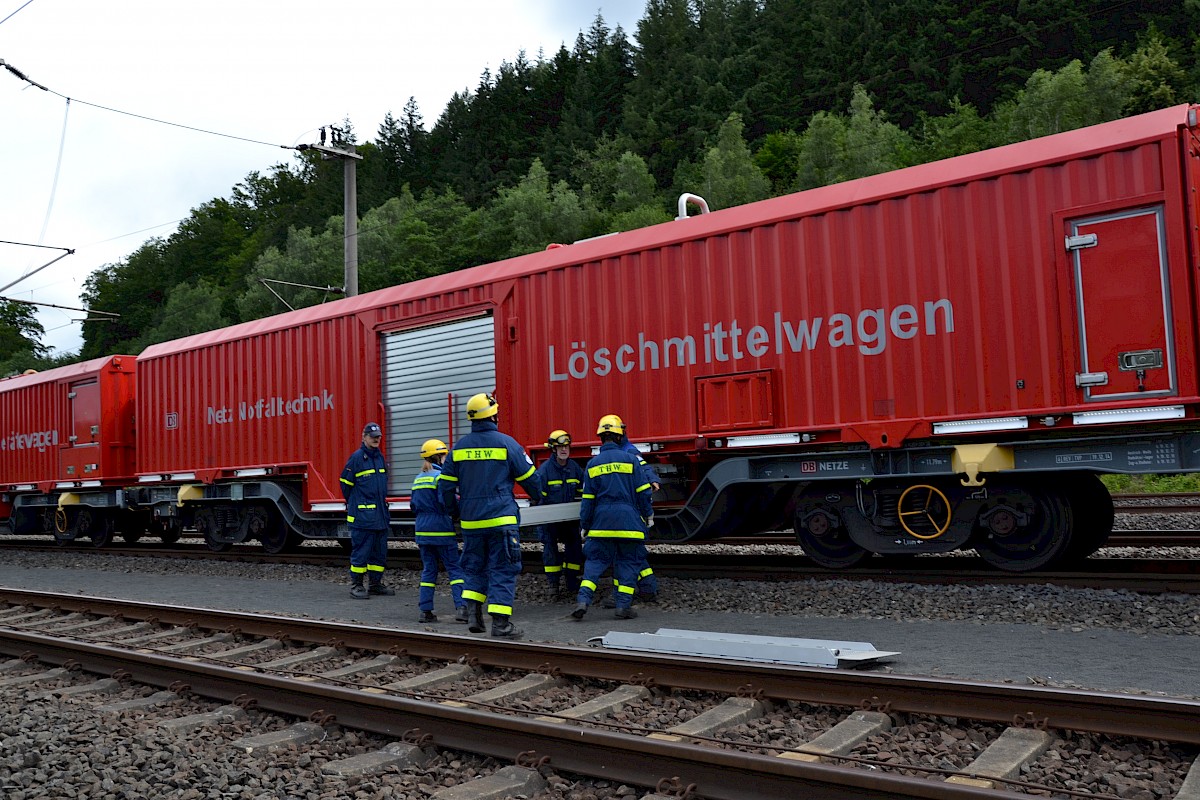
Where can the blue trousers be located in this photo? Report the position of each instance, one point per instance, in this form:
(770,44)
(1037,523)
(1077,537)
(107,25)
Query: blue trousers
(570,563)
(447,554)
(491,562)
(368,553)
(621,555)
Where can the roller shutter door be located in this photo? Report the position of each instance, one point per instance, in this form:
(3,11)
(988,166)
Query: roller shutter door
(422,367)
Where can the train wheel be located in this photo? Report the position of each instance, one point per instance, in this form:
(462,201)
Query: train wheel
(1024,529)
(206,524)
(1092,507)
(64,527)
(170,534)
(102,530)
(131,537)
(825,540)
(269,528)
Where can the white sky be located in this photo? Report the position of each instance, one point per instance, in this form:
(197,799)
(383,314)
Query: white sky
(268,70)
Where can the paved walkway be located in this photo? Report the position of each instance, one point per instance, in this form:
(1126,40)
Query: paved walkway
(1096,659)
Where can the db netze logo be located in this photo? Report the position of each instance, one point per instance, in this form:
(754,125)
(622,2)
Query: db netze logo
(172,420)
(808,466)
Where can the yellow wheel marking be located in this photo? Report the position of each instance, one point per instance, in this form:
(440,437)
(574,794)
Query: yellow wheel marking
(924,512)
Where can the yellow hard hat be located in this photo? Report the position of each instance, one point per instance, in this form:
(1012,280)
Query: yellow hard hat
(610,423)
(557,438)
(433,447)
(482,406)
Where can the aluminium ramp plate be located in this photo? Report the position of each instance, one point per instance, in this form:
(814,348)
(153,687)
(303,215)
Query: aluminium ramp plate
(745,647)
(546,514)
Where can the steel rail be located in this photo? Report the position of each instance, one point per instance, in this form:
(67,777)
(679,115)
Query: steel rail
(1116,714)
(717,774)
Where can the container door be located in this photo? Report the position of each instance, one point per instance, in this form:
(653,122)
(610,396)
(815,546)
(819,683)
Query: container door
(428,374)
(1124,305)
(80,455)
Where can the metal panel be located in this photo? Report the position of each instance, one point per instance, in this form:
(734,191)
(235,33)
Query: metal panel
(428,375)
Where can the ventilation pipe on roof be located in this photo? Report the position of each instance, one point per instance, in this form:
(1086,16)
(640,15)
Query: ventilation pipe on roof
(695,199)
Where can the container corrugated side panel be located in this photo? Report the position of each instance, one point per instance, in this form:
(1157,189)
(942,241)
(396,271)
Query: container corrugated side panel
(296,396)
(986,250)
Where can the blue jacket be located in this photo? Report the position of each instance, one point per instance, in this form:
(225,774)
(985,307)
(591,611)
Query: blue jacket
(476,484)
(364,485)
(630,447)
(616,495)
(433,525)
(560,484)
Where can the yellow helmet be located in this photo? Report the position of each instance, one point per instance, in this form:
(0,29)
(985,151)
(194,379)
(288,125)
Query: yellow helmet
(433,447)
(610,423)
(557,438)
(482,406)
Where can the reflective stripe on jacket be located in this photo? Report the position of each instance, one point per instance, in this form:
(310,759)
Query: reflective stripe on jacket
(364,485)
(433,525)
(476,484)
(560,484)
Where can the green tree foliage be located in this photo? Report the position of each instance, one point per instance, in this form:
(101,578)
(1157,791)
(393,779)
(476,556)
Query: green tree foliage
(21,337)
(602,136)
(190,308)
(730,176)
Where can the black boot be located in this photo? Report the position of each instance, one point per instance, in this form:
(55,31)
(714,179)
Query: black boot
(427,616)
(503,628)
(579,611)
(475,616)
(357,590)
(625,613)
(460,614)
(377,586)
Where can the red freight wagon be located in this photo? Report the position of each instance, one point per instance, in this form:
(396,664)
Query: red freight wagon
(66,448)
(938,357)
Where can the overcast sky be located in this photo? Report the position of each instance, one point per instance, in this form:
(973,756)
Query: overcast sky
(267,70)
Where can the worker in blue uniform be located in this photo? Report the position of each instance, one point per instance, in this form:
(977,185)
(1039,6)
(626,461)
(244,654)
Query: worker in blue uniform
(614,513)
(364,486)
(476,487)
(435,535)
(562,482)
(647,582)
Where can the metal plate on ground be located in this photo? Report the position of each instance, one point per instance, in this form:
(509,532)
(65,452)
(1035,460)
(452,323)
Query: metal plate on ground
(744,647)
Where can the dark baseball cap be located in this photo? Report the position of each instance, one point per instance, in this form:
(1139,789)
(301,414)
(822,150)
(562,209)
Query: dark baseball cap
(372,429)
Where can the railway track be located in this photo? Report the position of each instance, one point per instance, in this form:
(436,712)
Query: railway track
(760,558)
(535,712)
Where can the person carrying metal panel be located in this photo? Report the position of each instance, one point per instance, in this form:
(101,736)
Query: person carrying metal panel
(364,485)
(562,482)
(435,536)
(614,513)
(476,487)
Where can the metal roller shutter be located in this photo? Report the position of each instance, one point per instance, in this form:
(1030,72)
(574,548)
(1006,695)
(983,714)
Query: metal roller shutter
(422,367)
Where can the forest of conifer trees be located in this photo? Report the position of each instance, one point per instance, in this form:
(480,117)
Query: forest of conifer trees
(735,100)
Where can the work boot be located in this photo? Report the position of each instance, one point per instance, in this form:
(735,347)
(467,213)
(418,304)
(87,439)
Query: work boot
(379,588)
(503,628)
(427,616)
(646,597)
(580,610)
(625,613)
(460,614)
(358,591)
(609,602)
(475,617)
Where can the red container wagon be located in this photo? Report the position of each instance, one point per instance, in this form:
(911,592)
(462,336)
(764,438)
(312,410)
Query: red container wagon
(66,450)
(939,357)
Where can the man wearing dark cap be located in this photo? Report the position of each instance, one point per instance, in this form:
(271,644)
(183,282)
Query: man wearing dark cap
(364,485)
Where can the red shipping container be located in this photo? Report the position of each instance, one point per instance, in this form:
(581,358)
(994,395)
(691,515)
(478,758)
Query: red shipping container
(68,427)
(1023,286)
